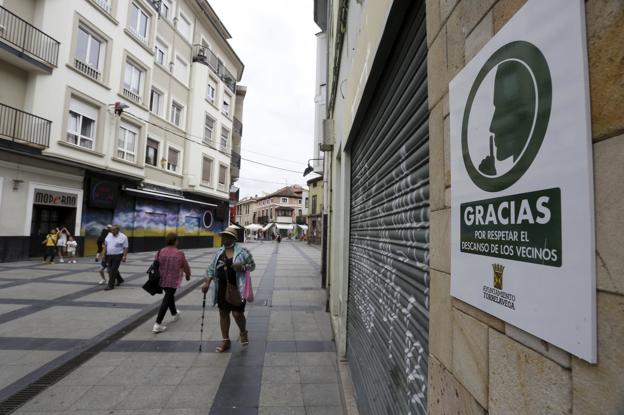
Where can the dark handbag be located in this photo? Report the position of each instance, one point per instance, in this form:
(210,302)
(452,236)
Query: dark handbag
(232,295)
(152,286)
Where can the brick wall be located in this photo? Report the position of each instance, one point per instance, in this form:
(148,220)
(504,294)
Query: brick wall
(479,364)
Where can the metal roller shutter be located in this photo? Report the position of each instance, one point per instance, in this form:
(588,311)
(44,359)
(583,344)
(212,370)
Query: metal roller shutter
(387,328)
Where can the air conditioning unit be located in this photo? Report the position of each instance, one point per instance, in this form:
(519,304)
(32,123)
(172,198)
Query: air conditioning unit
(328,132)
(192,180)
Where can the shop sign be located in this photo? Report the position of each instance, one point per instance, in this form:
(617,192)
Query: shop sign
(103,193)
(51,198)
(522,196)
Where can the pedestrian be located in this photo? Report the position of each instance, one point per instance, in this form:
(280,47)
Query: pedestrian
(116,251)
(100,242)
(99,256)
(228,266)
(61,243)
(50,245)
(173,265)
(71,249)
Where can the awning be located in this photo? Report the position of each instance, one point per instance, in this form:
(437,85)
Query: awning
(266,228)
(158,195)
(284,226)
(253,227)
(304,227)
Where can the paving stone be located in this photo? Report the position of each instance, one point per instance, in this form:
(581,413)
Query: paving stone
(57,398)
(147,397)
(282,410)
(316,359)
(318,374)
(323,410)
(281,374)
(321,395)
(275,394)
(280,359)
(102,397)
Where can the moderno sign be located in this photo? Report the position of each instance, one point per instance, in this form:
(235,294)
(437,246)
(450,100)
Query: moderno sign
(522,184)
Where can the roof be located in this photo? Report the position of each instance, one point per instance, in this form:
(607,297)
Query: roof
(288,191)
(314,180)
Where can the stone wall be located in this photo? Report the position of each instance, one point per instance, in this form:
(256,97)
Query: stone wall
(479,364)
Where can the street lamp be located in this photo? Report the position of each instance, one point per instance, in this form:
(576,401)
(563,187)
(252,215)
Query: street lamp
(309,169)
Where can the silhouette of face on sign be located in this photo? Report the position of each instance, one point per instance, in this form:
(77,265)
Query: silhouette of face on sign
(514,100)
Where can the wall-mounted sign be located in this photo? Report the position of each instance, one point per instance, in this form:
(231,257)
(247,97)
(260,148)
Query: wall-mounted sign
(51,198)
(103,193)
(522,196)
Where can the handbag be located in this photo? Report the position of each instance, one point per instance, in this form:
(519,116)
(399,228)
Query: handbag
(232,295)
(152,286)
(247,289)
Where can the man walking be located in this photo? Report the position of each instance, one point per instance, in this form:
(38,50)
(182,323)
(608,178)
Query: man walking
(116,250)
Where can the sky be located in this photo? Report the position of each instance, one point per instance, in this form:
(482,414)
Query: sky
(276,41)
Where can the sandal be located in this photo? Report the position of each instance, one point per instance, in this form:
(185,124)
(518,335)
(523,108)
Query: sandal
(225,345)
(244,338)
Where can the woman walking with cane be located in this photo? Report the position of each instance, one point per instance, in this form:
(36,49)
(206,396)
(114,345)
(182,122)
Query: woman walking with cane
(172,264)
(227,269)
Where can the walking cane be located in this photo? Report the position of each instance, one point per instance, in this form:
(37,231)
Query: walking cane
(201,332)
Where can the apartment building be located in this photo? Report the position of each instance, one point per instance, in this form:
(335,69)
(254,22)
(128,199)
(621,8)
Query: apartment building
(314,213)
(282,210)
(247,211)
(123,111)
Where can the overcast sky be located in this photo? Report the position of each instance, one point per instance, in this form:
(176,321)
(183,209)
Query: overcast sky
(275,40)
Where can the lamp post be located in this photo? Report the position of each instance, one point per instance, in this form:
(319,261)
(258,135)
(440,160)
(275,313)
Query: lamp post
(309,169)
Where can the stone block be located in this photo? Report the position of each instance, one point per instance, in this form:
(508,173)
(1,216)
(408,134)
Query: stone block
(504,10)
(480,35)
(471,13)
(599,389)
(445,106)
(609,188)
(441,240)
(447,395)
(525,382)
(447,197)
(436,158)
(437,78)
(447,150)
(455,44)
(446,7)
(470,355)
(433,20)
(605,37)
(540,346)
(441,318)
(480,315)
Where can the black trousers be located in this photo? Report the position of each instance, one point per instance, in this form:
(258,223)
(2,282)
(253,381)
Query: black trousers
(114,261)
(50,251)
(168,302)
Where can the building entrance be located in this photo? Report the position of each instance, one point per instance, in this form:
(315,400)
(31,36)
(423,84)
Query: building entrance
(45,218)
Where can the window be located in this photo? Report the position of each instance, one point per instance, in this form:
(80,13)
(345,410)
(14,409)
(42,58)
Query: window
(172,159)
(133,81)
(222,174)
(180,70)
(126,142)
(138,22)
(81,124)
(299,201)
(284,200)
(225,135)
(156,102)
(160,53)
(184,27)
(151,152)
(226,104)
(314,205)
(207,170)
(89,53)
(211,92)
(300,212)
(165,7)
(209,126)
(176,113)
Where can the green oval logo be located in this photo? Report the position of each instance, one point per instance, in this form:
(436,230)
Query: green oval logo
(506,116)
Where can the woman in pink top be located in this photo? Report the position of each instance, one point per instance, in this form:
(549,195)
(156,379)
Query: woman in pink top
(172,265)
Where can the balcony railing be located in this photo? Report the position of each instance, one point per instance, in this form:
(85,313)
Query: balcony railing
(131,95)
(27,38)
(104,4)
(87,69)
(237,126)
(19,126)
(204,55)
(235,159)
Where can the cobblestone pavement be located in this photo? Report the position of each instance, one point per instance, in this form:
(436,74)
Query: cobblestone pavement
(56,314)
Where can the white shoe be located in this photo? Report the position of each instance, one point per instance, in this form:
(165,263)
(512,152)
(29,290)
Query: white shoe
(175,317)
(159,328)
(61,260)
(101,282)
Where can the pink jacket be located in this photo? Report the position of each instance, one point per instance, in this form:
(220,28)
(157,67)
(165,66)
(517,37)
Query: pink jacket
(172,264)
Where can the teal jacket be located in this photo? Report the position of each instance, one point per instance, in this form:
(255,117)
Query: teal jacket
(241,256)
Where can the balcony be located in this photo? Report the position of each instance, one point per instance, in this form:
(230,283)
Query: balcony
(235,160)
(131,96)
(203,54)
(23,128)
(88,70)
(237,126)
(20,39)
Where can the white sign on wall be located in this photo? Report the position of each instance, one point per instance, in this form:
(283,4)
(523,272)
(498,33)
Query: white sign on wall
(522,183)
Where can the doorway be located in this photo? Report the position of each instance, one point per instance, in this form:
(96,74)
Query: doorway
(45,218)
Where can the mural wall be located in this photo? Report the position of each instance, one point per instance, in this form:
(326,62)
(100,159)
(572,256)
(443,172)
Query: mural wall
(147,221)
